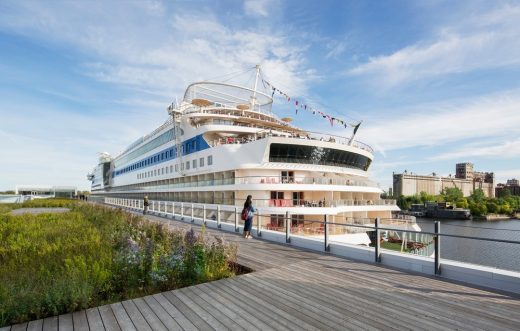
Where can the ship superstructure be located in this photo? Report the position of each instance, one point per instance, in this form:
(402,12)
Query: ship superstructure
(223,142)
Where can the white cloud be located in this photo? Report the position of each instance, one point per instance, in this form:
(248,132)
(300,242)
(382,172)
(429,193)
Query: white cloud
(488,40)
(257,7)
(335,49)
(503,150)
(441,123)
(138,49)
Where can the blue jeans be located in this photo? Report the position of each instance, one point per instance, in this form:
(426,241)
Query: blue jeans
(248,223)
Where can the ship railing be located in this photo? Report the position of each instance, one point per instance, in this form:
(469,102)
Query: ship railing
(321,203)
(326,230)
(380,202)
(303,180)
(267,180)
(262,135)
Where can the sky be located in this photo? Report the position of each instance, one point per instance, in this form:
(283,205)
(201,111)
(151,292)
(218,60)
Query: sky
(434,82)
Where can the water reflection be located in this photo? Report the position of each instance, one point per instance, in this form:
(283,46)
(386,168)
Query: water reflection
(493,254)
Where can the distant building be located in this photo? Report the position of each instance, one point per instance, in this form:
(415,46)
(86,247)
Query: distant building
(464,170)
(512,185)
(466,179)
(55,191)
(513,182)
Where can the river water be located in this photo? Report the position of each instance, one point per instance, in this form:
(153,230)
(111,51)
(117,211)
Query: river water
(493,254)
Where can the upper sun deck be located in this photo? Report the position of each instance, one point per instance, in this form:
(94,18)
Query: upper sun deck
(211,103)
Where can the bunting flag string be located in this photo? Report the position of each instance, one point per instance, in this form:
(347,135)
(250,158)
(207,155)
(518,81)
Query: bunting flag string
(299,105)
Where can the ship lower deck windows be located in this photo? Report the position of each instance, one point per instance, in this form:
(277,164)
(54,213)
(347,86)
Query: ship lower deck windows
(187,165)
(210,160)
(194,164)
(201,161)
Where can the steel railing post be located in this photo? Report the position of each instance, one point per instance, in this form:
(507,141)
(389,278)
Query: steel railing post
(204,214)
(258,231)
(437,248)
(192,220)
(218,217)
(236,219)
(287,227)
(326,232)
(182,211)
(378,241)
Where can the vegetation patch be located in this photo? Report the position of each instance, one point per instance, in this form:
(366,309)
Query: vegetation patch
(52,264)
(477,203)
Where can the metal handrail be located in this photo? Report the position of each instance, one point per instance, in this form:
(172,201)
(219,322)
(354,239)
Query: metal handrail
(287,220)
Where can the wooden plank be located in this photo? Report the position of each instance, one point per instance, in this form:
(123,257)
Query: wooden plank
(65,322)
(162,314)
(394,300)
(123,320)
(50,323)
(213,308)
(174,313)
(195,307)
(136,317)
(94,319)
(36,325)
(365,298)
(108,318)
(410,301)
(19,327)
(5,328)
(149,315)
(320,303)
(266,308)
(293,306)
(253,309)
(80,321)
(213,296)
(343,305)
(195,319)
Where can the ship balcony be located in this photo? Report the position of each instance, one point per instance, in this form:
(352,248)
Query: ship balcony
(266,131)
(303,180)
(321,203)
(257,180)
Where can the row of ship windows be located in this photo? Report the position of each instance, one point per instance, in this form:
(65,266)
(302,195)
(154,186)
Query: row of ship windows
(170,169)
(186,148)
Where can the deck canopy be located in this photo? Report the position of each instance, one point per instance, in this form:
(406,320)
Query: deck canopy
(228,95)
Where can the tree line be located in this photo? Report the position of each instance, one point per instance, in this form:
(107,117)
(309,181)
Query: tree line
(477,202)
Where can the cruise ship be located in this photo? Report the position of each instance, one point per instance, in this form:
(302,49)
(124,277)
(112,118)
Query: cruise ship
(223,142)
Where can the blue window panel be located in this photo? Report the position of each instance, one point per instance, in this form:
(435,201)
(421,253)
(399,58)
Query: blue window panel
(192,145)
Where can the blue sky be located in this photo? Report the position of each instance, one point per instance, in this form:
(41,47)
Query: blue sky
(434,82)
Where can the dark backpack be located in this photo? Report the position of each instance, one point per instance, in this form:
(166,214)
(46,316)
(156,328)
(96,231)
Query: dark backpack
(245,214)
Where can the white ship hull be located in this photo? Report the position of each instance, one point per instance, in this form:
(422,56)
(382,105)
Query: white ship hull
(219,150)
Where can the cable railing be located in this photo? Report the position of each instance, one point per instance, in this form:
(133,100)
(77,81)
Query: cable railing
(421,243)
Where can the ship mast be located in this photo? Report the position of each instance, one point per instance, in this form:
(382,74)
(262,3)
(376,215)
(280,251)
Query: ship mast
(253,97)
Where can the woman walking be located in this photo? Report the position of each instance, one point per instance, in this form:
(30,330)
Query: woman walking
(248,212)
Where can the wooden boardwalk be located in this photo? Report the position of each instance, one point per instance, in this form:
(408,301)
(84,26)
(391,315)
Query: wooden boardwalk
(294,289)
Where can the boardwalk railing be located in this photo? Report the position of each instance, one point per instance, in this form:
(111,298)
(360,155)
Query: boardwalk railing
(324,231)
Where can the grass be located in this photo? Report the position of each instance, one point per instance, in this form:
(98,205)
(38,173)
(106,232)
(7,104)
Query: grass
(52,264)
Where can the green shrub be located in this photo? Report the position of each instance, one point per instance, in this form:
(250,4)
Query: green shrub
(52,264)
